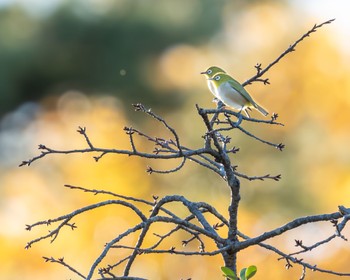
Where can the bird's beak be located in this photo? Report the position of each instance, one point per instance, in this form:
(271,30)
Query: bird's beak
(204,72)
(211,78)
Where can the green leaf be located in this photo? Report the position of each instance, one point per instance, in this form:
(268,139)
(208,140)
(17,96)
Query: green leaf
(243,273)
(228,273)
(250,272)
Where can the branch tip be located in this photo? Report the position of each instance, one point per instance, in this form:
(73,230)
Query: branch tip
(42,147)
(24,162)
(274,117)
(280,146)
(139,107)
(149,170)
(234,150)
(129,130)
(81,130)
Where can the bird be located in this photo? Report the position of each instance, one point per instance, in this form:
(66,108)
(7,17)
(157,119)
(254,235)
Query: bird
(210,73)
(232,93)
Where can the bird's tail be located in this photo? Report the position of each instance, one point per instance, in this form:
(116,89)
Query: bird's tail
(260,109)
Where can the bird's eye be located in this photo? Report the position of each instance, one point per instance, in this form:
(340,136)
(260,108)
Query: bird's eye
(217,78)
(209,71)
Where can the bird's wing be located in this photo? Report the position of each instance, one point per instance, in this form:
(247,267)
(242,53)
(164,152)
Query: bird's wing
(238,87)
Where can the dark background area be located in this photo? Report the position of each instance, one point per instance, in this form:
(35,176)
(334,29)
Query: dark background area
(93,52)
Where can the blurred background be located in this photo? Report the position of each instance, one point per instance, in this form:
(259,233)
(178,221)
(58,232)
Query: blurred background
(65,64)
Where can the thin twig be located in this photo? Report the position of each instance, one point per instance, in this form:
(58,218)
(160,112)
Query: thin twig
(291,48)
(62,262)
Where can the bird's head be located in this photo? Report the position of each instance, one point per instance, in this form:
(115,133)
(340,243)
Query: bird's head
(220,78)
(212,71)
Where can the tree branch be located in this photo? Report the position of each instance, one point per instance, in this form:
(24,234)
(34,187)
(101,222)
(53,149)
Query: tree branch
(291,225)
(291,48)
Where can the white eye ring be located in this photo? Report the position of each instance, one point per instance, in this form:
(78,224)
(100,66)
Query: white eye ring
(217,78)
(209,71)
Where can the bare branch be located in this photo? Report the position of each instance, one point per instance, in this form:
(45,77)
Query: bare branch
(291,48)
(122,278)
(261,178)
(171,251)
(151,170)
(291,225)
(145,226)
(290,259)
(116,151)
(82,131)
(66,218)
(62,262)
(227,112)
(140,107)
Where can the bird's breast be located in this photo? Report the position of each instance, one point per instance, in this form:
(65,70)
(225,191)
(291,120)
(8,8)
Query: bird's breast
(231,97)
(212,88)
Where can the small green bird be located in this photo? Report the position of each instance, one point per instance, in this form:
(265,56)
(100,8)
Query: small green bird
(233,94)
(210,73)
